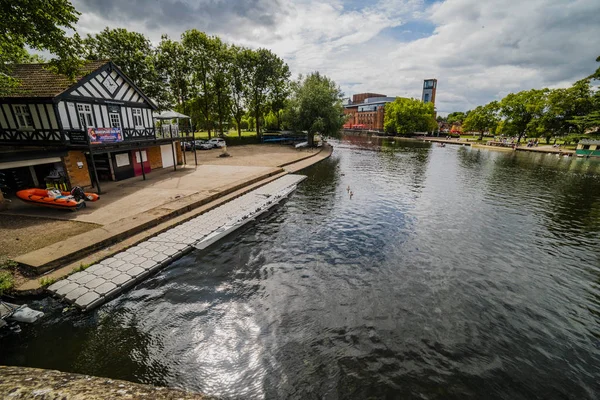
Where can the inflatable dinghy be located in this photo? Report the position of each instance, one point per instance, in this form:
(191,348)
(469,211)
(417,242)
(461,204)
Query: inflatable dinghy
(73,200)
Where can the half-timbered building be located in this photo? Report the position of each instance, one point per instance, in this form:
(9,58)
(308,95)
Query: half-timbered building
(99,126)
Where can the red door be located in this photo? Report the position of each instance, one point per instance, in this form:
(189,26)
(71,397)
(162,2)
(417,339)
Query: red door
(137,164)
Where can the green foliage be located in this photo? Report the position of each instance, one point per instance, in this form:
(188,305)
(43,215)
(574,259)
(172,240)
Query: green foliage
(271,121)
(40,25)
(523,112)
(457,116)
(267,74)
(6,276)
(482,119)
(133,53)
(82,267)
(47,281)
(315,107)
(6,281)
(406,116)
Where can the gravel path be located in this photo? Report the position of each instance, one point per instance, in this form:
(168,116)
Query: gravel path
(20,235)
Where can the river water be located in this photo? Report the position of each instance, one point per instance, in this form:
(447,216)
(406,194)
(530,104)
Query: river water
(449,273)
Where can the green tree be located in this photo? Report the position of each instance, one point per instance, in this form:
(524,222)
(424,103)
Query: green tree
(221,82)
(315,106)
(238,72)
(406,116)
(265,72)
(173,65)
(40,25)
(133,53)
(457,116)
(523,112)
(201,52)
(482,119)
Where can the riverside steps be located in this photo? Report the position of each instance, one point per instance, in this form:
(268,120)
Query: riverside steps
(108,278)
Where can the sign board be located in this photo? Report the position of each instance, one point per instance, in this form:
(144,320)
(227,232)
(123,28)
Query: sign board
(122,159)
(105,135)
(78,137)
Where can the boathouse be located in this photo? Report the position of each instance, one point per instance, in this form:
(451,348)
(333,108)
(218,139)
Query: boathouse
(56,131)
(588,148)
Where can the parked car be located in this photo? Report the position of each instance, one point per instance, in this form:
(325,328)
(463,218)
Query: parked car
(217,142)
(186,146)
(203,145)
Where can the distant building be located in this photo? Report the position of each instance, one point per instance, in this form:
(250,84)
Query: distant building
(366,111)
(429,89)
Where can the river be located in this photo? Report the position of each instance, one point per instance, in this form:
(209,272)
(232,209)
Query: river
(449,273)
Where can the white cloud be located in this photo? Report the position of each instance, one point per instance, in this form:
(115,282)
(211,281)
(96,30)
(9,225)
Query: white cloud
(479,50)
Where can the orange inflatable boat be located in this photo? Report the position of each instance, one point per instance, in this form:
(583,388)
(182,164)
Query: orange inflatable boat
(73,200)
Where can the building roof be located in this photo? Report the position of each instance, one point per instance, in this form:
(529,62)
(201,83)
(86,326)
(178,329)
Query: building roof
(589,141)
(37,80)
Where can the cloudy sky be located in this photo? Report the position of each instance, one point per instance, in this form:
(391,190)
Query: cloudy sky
(479,50)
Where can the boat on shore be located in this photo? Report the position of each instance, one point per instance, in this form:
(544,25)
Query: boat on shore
(73,200)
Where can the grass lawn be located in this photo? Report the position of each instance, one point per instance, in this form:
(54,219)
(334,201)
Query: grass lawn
(232,133)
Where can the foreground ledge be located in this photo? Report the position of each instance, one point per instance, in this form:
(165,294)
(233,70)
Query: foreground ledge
(33,383)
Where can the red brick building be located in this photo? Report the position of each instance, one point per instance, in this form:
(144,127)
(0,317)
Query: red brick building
(366,111)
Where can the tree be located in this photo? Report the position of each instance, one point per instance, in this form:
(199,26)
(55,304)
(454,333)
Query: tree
(482,119)
(457,116)
(315,107)
(265,72)
(406,116)
(133,53)
(39,25)
(522,112)
(173,64)
(221,82)
(201,50)
(238,72)
(280,92)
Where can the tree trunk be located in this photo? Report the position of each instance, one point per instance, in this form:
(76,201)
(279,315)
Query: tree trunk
(311,139)
(481,135)
(239,129)
(257,117)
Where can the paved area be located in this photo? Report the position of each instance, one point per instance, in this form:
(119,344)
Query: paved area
(127,198)
(256,155)
(93,286)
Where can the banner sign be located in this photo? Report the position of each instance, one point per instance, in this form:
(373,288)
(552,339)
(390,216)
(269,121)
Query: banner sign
(105,135)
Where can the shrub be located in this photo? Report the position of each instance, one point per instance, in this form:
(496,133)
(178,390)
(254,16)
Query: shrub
(47,280)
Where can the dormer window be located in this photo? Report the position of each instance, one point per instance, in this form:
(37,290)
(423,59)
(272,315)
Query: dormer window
(23,116)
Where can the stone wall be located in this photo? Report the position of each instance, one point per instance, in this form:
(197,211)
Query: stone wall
(154,157)
(33,383)
(77,176)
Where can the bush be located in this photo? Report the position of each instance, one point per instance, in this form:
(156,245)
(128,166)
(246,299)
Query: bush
(7,280)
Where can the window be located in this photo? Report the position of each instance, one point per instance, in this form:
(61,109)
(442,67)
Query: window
(23,117)
(85,116)
(426,97)
(138,122)
(115,120)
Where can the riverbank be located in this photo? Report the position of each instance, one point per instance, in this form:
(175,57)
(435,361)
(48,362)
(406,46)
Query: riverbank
(204,189)
(34,383)
(546,149)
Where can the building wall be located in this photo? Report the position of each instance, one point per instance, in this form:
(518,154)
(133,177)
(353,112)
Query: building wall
(178,153)
(154,157)
(360,97)
(77,176)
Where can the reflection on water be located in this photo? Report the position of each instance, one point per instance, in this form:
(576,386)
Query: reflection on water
(451,273)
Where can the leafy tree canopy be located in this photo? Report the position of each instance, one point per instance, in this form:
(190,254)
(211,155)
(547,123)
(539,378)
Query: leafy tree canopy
(40,25)
(406,116)
(315,106)
(133,53)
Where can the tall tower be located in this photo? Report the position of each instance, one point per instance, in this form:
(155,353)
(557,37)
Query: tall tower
(429,87)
